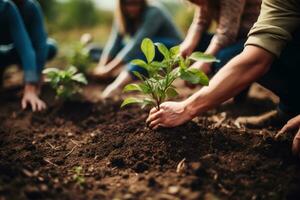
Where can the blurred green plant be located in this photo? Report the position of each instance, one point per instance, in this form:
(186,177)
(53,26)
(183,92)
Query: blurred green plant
(158,85)
(66,83)
(79,58)
(78,176)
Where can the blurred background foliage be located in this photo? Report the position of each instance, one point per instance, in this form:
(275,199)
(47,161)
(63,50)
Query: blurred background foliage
(67,20)
(62,15)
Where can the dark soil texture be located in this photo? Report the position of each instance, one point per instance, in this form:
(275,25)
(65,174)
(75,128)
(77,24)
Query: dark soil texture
(84,150)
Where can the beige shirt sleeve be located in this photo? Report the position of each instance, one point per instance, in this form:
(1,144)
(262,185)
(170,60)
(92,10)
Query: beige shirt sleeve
(229,22)
(275,26)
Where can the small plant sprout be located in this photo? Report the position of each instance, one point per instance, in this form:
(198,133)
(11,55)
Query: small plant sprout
(79,58)
(78,175)
(158,85)
(66,83)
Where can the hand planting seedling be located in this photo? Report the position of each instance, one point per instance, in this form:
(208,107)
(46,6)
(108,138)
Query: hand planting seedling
(65,82)
(79,57)
(158,85)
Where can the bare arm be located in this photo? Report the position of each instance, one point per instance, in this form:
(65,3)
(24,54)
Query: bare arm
(199,25)
(243,70)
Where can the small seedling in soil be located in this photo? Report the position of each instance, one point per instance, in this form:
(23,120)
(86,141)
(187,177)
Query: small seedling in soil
(78,176)
(66,83)
(79,58)
(158,85)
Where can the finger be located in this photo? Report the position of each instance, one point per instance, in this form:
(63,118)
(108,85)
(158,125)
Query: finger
(153,110)
(281,133)
(158,126)
(154,116)
(296,144)
(285,129)
(33,106)
(39,105)
(154,123)
(44,106)
(24,104)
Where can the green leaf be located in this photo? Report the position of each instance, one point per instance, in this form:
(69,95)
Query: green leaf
(148,49)
(194,76)
(80,78)
(72,70)
(50,70)
(175,51)
(131,100)
(199,56)
(171,92)
(163,50)
(132,87)
(140,63)
(182,63)
(175,73)
(138,75)
(203,79)
(157,65)
(147,102)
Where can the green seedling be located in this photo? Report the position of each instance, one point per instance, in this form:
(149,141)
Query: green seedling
(66,83)
(80,58)
(158,85)
(78,175)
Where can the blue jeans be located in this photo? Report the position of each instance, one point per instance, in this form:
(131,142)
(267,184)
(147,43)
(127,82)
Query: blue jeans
(12,57)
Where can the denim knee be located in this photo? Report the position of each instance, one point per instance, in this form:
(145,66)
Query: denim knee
(52,48)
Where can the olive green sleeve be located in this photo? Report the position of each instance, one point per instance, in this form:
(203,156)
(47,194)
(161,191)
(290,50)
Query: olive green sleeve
(275,26)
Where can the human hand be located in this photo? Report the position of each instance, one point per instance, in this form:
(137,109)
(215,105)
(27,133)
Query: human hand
(31,98)
(171,114)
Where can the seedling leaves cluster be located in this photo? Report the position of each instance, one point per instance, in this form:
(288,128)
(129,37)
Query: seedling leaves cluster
(79,58)
(65,82)
(158,86)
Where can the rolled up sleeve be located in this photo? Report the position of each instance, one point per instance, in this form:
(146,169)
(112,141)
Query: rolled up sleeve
(275,26)
(229,21)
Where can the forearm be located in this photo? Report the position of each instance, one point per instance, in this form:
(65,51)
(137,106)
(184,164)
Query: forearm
(115,63)
(213,48)
(193,37)
(230,80)
(104,60)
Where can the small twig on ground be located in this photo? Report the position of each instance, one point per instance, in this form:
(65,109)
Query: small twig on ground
(52,146)
(48,161)
(69,153)
(75,142)
(219,120)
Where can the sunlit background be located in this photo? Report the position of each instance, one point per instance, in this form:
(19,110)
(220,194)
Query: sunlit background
(67,20)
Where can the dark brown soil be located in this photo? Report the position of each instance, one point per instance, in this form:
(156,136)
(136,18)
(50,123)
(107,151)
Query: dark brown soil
(122,159)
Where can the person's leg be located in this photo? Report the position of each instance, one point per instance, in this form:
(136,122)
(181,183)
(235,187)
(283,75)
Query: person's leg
(283,79)
(7,58)
(52,49)
(94,52)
